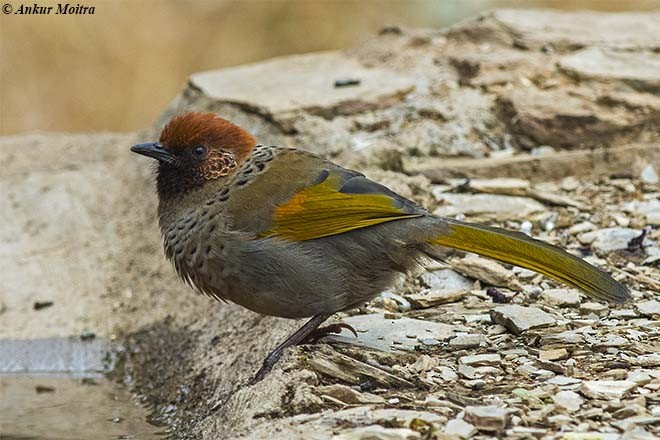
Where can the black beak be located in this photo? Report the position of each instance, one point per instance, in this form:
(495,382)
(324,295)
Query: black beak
(153,149)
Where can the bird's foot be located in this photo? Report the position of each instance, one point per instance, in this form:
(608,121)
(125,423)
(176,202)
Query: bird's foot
(320,332)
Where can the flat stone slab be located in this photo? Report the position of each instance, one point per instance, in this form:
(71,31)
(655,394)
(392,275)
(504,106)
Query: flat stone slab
(487,418)
(607,389)
(502,206)
(375,331)
(519,319)
(640,70)
(276,85)
(563,29)
(649,308)
(609,239)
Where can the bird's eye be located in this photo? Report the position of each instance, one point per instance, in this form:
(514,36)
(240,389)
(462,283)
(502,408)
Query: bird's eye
(199,151)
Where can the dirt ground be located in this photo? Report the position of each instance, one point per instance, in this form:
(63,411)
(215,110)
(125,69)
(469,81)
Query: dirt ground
(553,117)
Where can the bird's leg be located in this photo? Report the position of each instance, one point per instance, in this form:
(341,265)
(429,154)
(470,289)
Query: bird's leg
(317,334)
(299,336)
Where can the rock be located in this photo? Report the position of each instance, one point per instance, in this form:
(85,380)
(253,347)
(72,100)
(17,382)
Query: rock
(432,298)
(502,207)
(568,400)
(280,95)
(566,337)
(640,377)
(607,389)
(519,319)
(546,116)
(636,69)
(476,360)
(394,303)
(377,432)
(566,31)
(466,341)
(579,228)
(487,418)
(561,297)
(595,308)
(331,363)
(648,360)
(423,363)
(503,186)
(447,374)
(303,399)
(348,395)
(649,209)
(604,241)
(460,428)
(553,355)
(649,308)
(554,198)
(486,270)
(376,331)
(648,175)
(564,381)
(611,340)
(446,281)
(467,371)
(623,314)
(570,183)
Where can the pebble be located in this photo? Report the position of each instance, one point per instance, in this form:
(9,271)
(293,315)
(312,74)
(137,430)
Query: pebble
(487,418)
(580,228)
(477,360)
(466,371)
(504,207)
(568,400)
(649,175)
(563,381)
(623,314)
(424,363)
(569,183)
(460,428)
(486,270)
(640,377)
(607,389)
(434,298)
(604,241)
(502,185)
(649,308)
(597,309)
(518,319)
(566,337)
(466,341)
(446,280)
(485,318)
(447,374)
(611,340)
(649,360)
(561,297)
(553,355)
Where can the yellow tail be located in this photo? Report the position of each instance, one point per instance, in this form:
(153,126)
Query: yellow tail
(519,249)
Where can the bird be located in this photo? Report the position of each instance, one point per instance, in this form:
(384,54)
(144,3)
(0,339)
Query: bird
(287,233)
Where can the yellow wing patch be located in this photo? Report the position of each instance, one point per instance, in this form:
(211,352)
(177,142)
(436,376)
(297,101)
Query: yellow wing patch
(322,210)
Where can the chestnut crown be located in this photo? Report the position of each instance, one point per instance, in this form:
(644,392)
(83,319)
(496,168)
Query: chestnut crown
(195,148)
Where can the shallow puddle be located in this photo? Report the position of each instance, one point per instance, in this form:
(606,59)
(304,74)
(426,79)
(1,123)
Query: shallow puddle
(56,389)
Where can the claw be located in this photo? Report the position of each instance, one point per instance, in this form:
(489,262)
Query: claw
(320,332)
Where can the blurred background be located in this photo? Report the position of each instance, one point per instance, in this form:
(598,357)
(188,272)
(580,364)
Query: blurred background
(116,70)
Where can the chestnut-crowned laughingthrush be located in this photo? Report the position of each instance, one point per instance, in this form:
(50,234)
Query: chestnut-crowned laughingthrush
(284,232)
